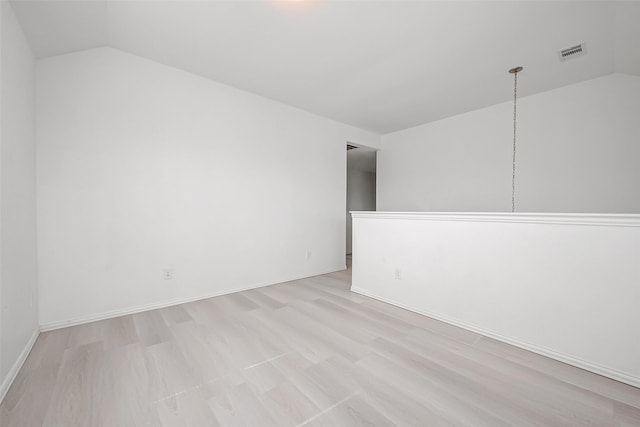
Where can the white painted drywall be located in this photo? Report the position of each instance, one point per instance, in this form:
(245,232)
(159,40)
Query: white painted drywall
(565,290)
(143,167)
(18,272)
(578,151)
(361,195)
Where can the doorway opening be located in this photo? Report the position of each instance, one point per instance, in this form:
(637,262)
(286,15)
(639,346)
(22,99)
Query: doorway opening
(361,186)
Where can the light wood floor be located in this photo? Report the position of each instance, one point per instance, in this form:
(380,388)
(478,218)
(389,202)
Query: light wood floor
(308,353)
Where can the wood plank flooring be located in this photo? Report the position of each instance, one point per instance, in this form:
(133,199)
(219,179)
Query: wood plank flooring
(303,353)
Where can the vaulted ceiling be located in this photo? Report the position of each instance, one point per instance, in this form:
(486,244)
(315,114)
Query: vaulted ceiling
(377,65)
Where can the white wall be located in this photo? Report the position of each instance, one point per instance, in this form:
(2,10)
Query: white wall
(578,151)
(561,285)
(18,272)
(361,195)
(143,167)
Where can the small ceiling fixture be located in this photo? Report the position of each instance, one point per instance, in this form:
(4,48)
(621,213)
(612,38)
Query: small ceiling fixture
(515,72)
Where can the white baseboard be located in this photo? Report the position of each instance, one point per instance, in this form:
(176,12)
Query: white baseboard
(146,307)
(13,372)
(565,358)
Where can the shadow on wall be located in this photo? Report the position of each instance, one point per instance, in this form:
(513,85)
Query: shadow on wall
(361,184)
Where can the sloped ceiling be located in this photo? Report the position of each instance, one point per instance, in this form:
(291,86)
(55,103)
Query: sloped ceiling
(378,65)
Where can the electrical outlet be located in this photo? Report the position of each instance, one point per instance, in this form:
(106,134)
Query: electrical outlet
(397,274)
(308,254)
(167,274)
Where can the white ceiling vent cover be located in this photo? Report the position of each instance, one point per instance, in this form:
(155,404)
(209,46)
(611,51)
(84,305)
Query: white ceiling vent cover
(573,52)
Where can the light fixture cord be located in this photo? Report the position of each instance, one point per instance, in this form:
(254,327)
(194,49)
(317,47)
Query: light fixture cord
(513,174)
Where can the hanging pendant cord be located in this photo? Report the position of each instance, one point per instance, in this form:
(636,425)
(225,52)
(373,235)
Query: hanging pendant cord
(513,173)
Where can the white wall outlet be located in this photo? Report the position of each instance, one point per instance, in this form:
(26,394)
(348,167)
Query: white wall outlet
(308,254)
(167,274)
(397,274)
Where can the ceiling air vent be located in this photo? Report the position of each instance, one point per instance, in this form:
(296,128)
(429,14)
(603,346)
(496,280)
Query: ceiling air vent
(350,147)
(572,52)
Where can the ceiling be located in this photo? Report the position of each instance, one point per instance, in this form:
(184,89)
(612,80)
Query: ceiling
(378,65)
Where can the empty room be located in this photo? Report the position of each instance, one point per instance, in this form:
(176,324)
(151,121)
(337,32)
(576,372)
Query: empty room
(319,213)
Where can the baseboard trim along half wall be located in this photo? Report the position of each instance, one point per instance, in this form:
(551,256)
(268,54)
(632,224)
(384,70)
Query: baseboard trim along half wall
(153,306)
(13,372)
(565,358)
